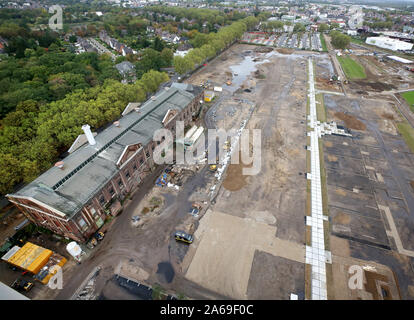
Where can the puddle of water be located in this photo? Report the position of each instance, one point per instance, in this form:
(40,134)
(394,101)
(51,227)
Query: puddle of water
(243,70)
(165,271)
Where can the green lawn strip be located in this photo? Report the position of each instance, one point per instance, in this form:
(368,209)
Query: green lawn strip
(405,129)
(323,42)
(320,108)
(409,97)
(353,70)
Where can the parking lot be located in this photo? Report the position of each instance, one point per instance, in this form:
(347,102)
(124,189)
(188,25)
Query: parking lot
(298,41)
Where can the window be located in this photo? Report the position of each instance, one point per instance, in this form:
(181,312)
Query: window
(127,175)
(94,213)
(102,200)
(152,148)
(82,224)
(158,142)
(120,183)
(147,154)
(111,191)
(141,161)
(134,167)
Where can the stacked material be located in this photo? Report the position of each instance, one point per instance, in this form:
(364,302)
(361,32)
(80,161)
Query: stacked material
(30,257)
(48,271)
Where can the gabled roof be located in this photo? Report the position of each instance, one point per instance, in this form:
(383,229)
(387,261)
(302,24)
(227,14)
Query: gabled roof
(89,168)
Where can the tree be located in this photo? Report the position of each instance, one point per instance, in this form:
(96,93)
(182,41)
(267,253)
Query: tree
(152,79)
(150,60)
(182,64)
(158,44)
(339,40)
(334,25)
(167,56)
(323,27)
(10,172)
(299,27)
(73,38)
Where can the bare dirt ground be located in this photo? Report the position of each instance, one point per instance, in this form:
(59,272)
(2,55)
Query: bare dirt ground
(269,204)
(370,202)
(382,75)
(225,254)
(255,213)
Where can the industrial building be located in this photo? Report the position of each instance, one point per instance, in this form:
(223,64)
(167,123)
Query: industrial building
(388,43)
(74,197)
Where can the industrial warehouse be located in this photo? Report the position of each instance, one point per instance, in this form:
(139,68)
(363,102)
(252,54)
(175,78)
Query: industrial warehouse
(74,197)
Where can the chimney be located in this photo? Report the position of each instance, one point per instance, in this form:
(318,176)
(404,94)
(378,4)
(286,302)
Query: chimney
(87,129)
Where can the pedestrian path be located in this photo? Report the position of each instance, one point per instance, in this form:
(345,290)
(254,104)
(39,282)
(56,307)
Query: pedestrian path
(315,254)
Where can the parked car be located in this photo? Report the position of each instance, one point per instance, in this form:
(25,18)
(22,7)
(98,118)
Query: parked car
(22,285)
(184,237)
(99,235)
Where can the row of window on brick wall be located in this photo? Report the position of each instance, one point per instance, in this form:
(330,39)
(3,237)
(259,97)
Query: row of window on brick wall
(127,173)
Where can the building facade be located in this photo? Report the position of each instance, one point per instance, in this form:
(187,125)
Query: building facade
(389,43)
(74,197)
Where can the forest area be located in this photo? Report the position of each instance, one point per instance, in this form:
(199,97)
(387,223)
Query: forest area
(47,92)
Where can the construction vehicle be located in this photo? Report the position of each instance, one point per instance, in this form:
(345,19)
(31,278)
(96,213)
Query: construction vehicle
(22,285)
(213,167)
(228,82)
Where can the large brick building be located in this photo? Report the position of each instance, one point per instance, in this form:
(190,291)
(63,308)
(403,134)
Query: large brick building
(74,197)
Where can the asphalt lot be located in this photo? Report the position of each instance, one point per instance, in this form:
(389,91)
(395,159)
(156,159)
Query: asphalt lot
(368,176)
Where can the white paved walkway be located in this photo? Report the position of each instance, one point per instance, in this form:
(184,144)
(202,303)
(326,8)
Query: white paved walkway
(316,255)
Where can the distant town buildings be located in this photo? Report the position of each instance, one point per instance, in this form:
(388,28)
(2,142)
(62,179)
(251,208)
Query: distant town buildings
(115,44)
(356,19)
(127,71)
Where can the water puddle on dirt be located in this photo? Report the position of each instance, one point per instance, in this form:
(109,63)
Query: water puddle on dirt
(165,272)
(242,71)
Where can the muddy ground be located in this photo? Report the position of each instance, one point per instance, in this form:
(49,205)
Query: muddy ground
(272,83)
(370,204)
(271,203)
(382,75)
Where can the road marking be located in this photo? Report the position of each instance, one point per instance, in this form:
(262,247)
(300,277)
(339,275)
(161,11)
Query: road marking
(394,233)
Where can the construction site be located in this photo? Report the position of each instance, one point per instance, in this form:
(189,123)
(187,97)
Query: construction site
(335,189)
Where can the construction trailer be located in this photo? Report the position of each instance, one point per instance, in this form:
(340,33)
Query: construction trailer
(30,257)
(34,259)
(208,96)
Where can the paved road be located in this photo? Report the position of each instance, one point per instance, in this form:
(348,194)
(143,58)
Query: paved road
(146,247)
(405,110)
(335,61)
